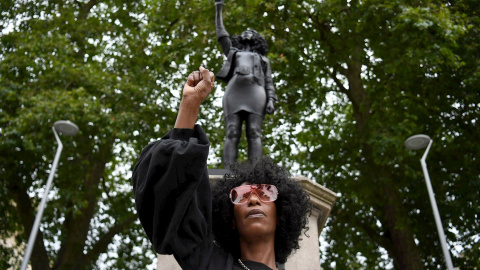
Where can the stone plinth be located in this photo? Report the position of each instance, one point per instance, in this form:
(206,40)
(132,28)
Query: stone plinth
(308,256)
(322,199)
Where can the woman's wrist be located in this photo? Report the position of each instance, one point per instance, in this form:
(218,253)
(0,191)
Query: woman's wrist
(191,99)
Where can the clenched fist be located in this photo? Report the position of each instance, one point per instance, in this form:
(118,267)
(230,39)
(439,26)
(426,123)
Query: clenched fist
(199,84)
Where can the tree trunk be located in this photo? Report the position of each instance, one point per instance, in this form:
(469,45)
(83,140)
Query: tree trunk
(39,259)
(404,251)
(77,224)
(402,247)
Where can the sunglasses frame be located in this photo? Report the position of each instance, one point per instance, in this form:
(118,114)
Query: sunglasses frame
(254,188)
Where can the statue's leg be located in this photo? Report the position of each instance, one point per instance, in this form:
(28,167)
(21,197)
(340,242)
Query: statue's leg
(254,135)
(233,127)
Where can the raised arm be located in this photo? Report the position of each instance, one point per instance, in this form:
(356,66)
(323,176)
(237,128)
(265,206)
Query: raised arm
(222,35)
(199,84)
(170,181)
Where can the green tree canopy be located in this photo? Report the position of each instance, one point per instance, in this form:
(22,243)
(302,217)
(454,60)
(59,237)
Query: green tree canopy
(394,69)
(354,80)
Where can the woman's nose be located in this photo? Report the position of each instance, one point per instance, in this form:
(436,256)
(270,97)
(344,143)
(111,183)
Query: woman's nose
(254,200)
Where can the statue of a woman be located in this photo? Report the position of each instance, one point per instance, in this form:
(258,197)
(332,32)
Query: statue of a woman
(249,94)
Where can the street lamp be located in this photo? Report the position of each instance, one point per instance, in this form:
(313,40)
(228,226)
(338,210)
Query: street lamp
(420,141)
(64,127)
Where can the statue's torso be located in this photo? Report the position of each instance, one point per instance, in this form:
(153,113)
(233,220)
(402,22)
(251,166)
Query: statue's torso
(243,92)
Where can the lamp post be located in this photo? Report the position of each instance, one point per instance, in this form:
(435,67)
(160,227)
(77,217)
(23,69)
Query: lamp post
(64,127)
(420,141)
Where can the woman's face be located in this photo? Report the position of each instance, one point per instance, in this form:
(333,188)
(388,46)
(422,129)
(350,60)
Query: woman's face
(255,218)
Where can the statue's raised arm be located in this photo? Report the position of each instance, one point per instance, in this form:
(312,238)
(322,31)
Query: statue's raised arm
(222,35)
(249,93)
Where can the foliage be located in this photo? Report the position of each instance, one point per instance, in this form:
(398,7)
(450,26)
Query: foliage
(354,79)
(90,63)
(363,76)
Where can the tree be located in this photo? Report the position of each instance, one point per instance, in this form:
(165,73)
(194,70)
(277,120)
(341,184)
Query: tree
(90,62)
(394,69)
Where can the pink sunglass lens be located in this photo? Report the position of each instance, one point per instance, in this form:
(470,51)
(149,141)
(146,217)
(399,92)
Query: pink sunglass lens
(241,194)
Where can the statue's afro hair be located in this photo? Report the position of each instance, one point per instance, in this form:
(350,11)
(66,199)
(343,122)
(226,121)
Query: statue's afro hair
(258,43)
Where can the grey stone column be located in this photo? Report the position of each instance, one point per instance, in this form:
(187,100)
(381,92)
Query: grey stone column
(308,256)
(322,199)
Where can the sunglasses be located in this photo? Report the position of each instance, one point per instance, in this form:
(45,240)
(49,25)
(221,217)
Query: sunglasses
(242,194)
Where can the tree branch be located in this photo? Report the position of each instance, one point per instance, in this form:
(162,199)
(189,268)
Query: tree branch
(102,244)
(339,84)
(85,9)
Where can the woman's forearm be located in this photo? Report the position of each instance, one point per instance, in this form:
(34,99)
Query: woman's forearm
(187,114)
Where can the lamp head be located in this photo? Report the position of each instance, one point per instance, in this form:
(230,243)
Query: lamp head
(418,141)
(65,127)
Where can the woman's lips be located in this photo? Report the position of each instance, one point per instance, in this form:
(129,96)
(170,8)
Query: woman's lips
(255,213)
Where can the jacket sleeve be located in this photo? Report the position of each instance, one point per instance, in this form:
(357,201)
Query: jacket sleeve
(172,191)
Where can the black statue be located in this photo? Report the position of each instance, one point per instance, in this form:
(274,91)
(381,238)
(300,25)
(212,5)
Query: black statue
(249,94)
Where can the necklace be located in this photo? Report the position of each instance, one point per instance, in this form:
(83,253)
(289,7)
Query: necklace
(243,265)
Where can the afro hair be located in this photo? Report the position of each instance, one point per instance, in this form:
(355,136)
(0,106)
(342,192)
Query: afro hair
(293,206)
(258,43)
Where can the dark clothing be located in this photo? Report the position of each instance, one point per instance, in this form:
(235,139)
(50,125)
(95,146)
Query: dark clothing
(249,80)
(174,201)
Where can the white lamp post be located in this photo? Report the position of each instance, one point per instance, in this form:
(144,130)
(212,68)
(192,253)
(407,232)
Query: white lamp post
(420,141)
(64,127)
